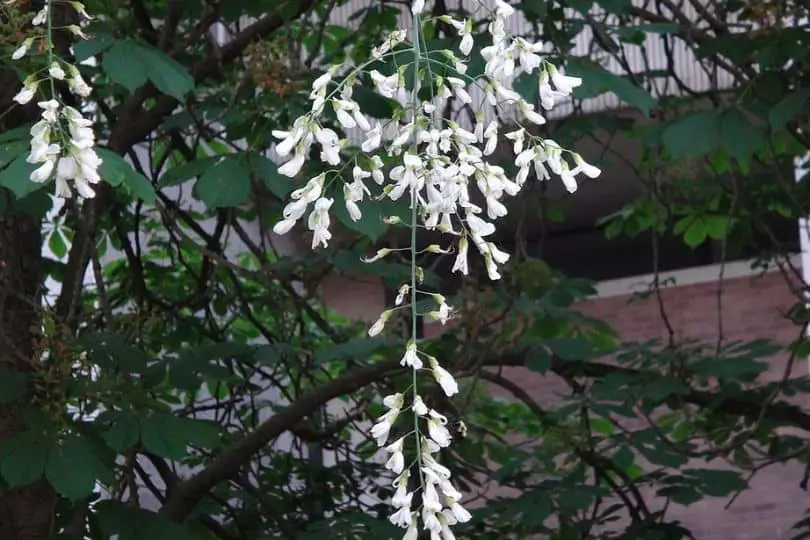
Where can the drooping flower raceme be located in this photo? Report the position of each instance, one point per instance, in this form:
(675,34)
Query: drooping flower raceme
(436,165)
(63,140)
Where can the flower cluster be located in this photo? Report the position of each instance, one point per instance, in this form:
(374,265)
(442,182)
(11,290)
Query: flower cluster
(436,163)
(62,141)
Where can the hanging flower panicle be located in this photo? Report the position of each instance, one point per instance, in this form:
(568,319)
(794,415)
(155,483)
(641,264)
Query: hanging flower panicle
(63,140)
(436,163)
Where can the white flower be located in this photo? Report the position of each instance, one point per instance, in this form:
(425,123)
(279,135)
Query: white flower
(527,54)
(401,498)
(459,89)
(467,43)
(290,138)
(284,226)
(585,168)
(26,94)
(443,312)
(294,166)
(56,71)
(411,357)
(548,96)
(396,463)
(460,513)
(403,290)
(479,227)
(386,86)
(318,222)
(491,136)
(412,533)
(437,430)
(76,30)
(330,145)
(461,259)
(517,137)
(527,109)
(43,172)
(382,428)
(379,324)
(569,181)
(563,83)
(430,498)
(444,378)
(447,533)
(50,109)
(419,408)
(373,139)
(22,50)
(407,176)
(41,16)
(417,7)
(79,7)
(502,9)
(431,520)
(402,517)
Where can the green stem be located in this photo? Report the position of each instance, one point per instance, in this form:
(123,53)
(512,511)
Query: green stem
(414,217)
(49,45)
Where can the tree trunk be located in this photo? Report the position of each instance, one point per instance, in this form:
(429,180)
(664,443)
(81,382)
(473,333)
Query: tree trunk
(26,512)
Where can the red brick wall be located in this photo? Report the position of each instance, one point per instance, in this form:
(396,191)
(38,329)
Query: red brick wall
(752,307)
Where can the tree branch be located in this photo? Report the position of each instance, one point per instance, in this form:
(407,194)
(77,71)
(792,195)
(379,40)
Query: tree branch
(189,492)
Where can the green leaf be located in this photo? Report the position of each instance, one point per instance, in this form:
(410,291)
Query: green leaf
(57,244)
(717,483)
(73,468)
(225,184)
(695,235)
(739,136)
(694,135)
(18,134)
(370,224)
(133,523)
(788,108)
(11,150)
(86,48)
(13,385)
(168,436)
(527,86)
(372,103)
(168,75)
(624,458)
(716,225)
(360,349)
(124,432)
(597,80)
(267,171)
(16,177)
(570,348)
(23,458)
(191,169)
(111,351)
(131,64)
(115,170)
(123,63)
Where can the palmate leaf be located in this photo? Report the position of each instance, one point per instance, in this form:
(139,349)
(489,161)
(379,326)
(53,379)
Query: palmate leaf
(132,64)
(73,468)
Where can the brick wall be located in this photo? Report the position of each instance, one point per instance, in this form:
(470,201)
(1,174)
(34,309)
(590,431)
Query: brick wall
(752,307)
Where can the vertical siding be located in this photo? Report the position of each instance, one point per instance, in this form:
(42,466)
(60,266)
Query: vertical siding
(698,76)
